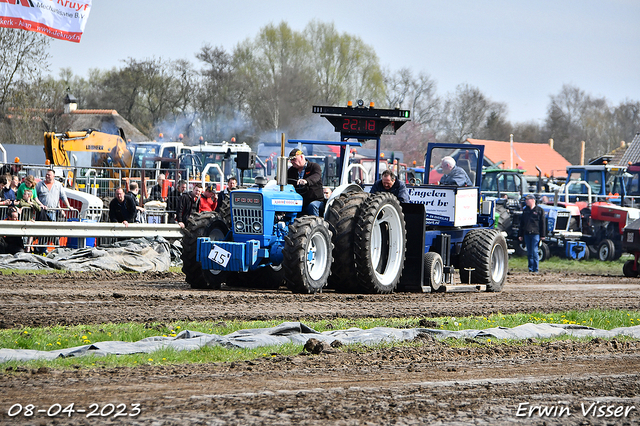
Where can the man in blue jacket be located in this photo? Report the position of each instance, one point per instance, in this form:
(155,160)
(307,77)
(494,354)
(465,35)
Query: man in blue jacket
(453,175)
(389,183)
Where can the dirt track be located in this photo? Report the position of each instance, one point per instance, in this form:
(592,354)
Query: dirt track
(482,384)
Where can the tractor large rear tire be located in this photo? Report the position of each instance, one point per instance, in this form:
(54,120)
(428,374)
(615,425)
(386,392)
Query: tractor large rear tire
(224,209)
(342,220)
(208,224)
(380,243)
(505,220)
(307,255)
(483,254)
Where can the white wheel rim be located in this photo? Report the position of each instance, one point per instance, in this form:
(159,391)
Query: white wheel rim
(317,252)
(497,263)
(437,272)
(387,215)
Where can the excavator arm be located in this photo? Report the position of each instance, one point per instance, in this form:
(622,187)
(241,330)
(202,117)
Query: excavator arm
(58,145)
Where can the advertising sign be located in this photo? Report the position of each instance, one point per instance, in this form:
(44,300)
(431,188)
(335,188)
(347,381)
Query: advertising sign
(61,19)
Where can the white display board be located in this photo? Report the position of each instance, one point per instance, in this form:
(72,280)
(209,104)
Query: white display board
(447,206)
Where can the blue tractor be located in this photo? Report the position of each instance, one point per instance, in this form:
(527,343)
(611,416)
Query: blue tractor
(263,239)
(365,242)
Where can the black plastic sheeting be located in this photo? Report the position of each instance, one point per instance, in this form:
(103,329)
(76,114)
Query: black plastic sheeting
(298,333)
(134,255)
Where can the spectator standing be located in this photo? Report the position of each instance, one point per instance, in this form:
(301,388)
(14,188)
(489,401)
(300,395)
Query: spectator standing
(306,177)
(12,245)
(208,200)
(453,175)
(389,183)
(122,208)
(15,183)
(7,194)
(156,191)
(232,183)
(134,193)
(173,200)
(533,228)
(28,207)
(29,184)
(29,210)
(189,203)
(50,192)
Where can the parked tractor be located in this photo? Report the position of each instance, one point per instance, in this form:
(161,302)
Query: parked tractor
(365,242)
(508,188)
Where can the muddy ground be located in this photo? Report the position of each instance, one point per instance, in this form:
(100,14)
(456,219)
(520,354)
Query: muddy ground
(594,382)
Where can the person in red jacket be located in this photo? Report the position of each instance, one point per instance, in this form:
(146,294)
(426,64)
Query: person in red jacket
(208,200)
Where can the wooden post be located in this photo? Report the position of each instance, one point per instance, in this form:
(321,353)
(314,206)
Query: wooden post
(582,153)
(551,143)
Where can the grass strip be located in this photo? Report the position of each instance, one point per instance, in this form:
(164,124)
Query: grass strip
(59,337)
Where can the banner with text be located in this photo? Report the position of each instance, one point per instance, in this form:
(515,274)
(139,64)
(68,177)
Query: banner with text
(61,19)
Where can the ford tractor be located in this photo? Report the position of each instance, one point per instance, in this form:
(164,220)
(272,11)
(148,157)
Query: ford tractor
(365,242)
(265,241)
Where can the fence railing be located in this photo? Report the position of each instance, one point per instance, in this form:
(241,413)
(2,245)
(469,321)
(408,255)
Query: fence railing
(68,230)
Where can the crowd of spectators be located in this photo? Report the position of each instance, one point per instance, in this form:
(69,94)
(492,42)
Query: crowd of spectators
(29,201)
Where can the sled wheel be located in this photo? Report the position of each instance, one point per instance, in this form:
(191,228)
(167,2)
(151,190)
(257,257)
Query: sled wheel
(434,270)
(208,224)
(483,254)
(341,217)
(307,255)
(380,243)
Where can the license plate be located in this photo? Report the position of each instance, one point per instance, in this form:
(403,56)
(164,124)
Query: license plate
(219,255)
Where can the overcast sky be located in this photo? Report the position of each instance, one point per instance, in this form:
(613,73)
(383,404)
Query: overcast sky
(515,52)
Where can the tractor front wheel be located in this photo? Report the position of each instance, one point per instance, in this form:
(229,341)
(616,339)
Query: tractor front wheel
(307,255)
(210,225)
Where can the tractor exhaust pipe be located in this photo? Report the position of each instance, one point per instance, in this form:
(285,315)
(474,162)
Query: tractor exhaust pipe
(281,168)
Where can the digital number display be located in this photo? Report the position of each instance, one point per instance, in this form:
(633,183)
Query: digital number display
(360,126)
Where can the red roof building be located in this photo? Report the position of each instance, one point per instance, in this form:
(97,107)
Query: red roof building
(525,156)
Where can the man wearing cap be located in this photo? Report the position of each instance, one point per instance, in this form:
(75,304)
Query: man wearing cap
(306,177)
(533,227)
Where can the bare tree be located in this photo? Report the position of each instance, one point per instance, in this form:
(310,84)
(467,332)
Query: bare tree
(465,113)
(23,58)
(574,116)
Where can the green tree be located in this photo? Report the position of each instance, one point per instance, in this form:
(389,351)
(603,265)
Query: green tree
(345,67)
(218,96)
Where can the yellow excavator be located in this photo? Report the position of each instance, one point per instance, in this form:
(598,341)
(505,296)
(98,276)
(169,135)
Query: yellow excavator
(112,149)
